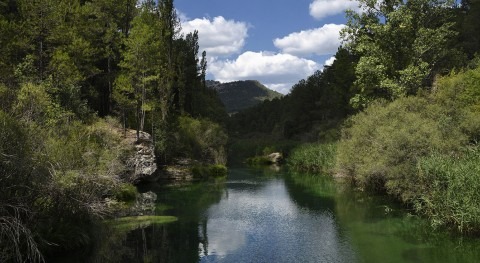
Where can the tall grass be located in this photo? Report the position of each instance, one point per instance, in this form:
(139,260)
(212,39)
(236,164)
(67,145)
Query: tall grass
(451,194)
(313,157)
(423,150)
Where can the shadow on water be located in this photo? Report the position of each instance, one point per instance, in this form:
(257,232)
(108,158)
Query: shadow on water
(379,229)
(172,242)
(272,215)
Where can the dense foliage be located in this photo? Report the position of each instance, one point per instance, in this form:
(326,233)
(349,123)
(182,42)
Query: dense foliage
(310,110)
(240,95)
(313,157)
(65,66)
(423,150)
(402,45)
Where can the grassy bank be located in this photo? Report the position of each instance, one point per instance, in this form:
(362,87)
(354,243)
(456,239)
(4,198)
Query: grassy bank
(313,157)
(451,190)
(422,150)
(55,176)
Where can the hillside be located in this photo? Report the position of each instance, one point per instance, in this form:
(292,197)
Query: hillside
(240,95)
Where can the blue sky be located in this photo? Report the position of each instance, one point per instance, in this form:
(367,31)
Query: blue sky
(276,42)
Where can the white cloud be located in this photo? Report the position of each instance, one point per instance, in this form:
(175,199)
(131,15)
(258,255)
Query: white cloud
(329,61)
(320,9)
(277,71)
(283,88)
(182,16)
(324,40)
(219,37)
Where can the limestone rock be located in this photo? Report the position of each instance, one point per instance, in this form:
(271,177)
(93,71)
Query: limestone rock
(142,164)
(275,158)
(181,169)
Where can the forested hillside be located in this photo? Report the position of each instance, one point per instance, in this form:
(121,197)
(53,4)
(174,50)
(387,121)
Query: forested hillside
(390,51)
(396,113)
(74,75)
(241,95)
(314,105)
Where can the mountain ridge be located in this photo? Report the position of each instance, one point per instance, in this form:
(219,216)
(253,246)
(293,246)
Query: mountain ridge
(242,94)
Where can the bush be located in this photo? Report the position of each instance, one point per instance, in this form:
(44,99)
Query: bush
(258,160)
(451,190)
(381,146)
(21,180)
(54,179)
(125,192)
(423,150)
(313,157)
(202,140)
(459,95)
(209,171)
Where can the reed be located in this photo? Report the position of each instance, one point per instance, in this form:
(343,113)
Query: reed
(313,157)
(451,190)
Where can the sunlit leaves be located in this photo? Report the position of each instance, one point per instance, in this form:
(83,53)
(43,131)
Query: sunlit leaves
(402,46)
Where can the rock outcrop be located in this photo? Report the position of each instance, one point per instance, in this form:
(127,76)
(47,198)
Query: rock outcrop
(142,166)
(144,205)
(180,170)
(275,158)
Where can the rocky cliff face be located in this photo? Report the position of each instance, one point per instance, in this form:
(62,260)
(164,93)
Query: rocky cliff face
(142,164)
(180,170)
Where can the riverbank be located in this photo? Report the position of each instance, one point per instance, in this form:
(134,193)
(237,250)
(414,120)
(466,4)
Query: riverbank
(263,215)
(446,187)
(61,179)
(422,150)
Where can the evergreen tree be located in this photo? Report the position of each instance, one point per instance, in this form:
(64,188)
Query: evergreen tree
(140,65)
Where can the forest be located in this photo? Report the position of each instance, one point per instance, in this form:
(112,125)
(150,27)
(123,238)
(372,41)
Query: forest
(74,76)
(397,113)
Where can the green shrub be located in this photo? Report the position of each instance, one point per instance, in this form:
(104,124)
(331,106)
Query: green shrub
(258,160)
(422,150)
(459,96)
(313,157)
(209,171)
(202,140)
(22,179)
(125,192)
(381,146)
(451,190)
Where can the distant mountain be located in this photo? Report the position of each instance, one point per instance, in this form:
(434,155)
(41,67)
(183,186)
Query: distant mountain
(240,95)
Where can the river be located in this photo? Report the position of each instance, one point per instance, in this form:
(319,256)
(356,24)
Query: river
(264,215)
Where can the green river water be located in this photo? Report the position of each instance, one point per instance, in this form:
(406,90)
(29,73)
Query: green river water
(263,215)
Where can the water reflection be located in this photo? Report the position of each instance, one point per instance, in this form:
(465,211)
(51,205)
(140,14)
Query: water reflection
(261,215)
(257,221)
(380,230)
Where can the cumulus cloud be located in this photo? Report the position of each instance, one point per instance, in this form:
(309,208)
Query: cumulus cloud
(283,88)
(320,41)
(330,61)
(277,71)
(182,16)
(218,36)
(321,9)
